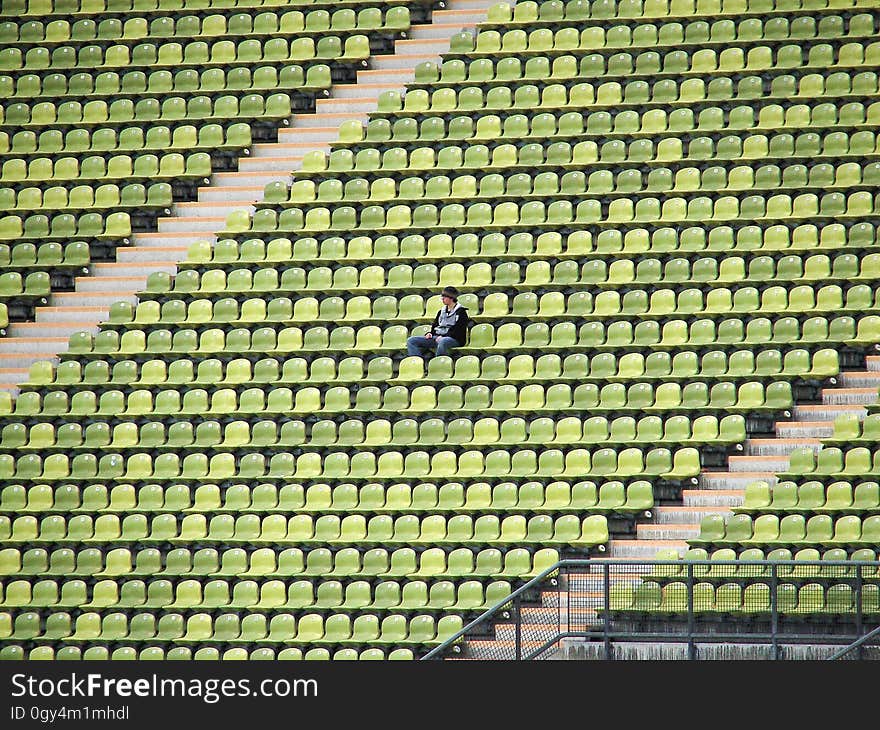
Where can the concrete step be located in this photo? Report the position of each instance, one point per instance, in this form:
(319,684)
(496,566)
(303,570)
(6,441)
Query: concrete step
(757,463)
(18,360)
(441,30)
(50,329)
(468,5)
(686,515)
(237,179)
(727,481)
(396,76)
(860,380)
(293,147)
(71,314)
(644,549)
(464,15)
(151,254)
(419,47)
(825,412)
(712,497)
(13,375)
(347,106)
(93,299)
(316,135)
(363,89)
(133,269)
(196,224)
(395,61)
(31,345)
(284,165)
(805,429)
(780,446)
(668,531)
(872,363)
(86,284)
(231,194)
(179,239)
(212,209)
(849,396)
(322,120)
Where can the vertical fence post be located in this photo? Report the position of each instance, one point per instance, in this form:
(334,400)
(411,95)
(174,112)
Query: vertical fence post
(860,624)
(692,647)
(517,617)
(606,617)
(774,611)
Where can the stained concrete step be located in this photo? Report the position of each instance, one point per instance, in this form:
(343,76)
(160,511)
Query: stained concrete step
(397,76)
(849,396)
(363,90)
(237,179)
(685,515)
(419,46)
(757,463)
(780,446)
(872,363)
(25,359)
(151,254)
(667,531)
(71,314)
(213,209)
(172,239)
(32,345)
(468,5)
(579,650)
(805,429)
(345,106)
(825,412)
(93,299)
(712,497)
(441,30)
(51,329)
(860,380)
(315,135)
(463,15)
(322,120)
(191,225)
(230,195)
(13,375)
(293,147)
(137,270)
(85,284)
(726,480)
(286,165)
(645,548)
(389,61)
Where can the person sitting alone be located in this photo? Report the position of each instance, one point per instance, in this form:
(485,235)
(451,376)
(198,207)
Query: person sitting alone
(449,329)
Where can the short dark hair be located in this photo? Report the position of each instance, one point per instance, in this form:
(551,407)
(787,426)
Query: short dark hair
(451,292)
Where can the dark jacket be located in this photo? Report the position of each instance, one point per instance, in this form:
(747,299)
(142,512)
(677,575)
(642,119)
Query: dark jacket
(452,324)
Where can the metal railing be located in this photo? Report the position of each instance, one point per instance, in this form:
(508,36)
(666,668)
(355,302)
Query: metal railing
(606,603)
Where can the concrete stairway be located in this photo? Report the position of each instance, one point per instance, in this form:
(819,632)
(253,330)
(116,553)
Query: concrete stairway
(88,305)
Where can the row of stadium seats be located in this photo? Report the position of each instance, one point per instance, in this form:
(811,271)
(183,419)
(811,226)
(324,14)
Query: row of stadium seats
(407,431)
(634,241)
(497,463)
(752,599)
(811,496)
(721,396)
(328,595)
(15,652)
(282,628)
(294,22)
(792,529)
(100,8)
(204,562)
(302,529)
(744,565)
(479,496)
(659,122)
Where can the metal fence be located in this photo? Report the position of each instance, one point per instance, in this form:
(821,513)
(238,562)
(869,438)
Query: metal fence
(696,606)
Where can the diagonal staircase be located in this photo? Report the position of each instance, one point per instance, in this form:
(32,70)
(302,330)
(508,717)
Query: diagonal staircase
(89,304)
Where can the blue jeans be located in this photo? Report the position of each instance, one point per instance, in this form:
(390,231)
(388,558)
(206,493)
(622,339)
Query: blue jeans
(420,345)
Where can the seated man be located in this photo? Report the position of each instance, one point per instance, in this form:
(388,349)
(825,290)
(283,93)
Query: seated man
(448,330)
